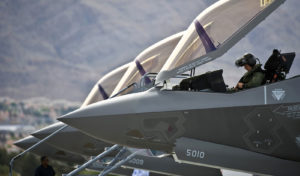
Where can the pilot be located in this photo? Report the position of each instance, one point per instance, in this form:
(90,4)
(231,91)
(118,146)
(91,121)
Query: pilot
(253,77)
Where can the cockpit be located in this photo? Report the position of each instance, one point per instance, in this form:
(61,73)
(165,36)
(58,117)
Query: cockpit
(275,69)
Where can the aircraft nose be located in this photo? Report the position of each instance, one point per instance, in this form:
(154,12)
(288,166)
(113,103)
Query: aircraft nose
(111,120)
(76,118)
(114,106)
(100,120)
(44,132)
(26,142)
(95,110)
(71,115)
(107,108)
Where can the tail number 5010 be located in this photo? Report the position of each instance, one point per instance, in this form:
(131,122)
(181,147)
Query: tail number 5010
(195,153)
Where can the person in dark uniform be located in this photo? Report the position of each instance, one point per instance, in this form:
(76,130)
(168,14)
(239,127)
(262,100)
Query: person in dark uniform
(44,169)
(253,77)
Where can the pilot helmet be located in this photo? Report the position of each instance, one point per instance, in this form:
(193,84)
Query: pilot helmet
(247,58)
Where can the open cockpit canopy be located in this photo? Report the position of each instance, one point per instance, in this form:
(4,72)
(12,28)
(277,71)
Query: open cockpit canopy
(150,60)
(104,87)
(214,32)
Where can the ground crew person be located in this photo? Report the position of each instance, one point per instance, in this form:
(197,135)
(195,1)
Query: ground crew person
(44,169)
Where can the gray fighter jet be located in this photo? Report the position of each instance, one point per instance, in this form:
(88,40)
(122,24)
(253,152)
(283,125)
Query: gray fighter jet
(150,60)
(86,145)
(46,150)
(101,91)
(260,124)
(74,141)
(63,155)
(65,140)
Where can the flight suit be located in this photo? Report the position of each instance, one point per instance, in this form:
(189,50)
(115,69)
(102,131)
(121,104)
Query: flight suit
(253,78)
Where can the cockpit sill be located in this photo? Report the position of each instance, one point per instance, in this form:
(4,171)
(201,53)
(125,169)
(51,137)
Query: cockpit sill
(170,85)
(167,86)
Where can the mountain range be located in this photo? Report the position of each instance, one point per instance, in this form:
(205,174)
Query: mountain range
(59,50)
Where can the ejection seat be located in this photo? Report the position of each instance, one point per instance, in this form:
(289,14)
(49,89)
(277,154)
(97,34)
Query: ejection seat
(278,66)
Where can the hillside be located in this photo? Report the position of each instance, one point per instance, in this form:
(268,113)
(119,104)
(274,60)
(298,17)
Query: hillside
(59,50)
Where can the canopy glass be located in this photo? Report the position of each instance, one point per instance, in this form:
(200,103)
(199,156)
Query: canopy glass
(104,87)
(218,27)
(150,60)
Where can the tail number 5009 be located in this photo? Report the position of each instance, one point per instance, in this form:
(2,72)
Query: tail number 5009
(195,153)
